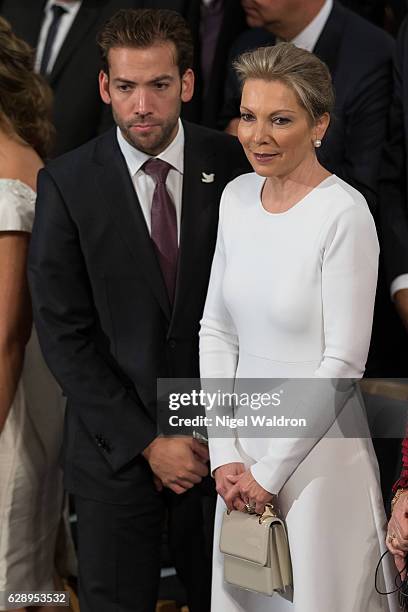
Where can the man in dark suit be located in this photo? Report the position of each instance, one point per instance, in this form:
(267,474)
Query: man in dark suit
(120,259)
(393,226)
(79,113)
(393,184)
(359,56)
(73,61)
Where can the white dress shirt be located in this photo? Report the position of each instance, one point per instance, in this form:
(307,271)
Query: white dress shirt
(145,185)
(308,37)
(65,24)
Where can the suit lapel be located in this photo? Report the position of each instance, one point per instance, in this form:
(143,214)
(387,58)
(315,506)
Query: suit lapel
(86,17)
(198,192)
(116,189)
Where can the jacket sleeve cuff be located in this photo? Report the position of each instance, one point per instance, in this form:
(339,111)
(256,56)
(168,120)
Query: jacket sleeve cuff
(223,451)
(267,478)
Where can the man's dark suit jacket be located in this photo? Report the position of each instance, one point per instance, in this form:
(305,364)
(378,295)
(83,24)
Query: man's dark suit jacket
(101,308)
(79,113)
(359,56)
(394,169)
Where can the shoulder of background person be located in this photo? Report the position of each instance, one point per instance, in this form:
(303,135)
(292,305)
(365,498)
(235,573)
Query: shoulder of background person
(251,39)
(365,37)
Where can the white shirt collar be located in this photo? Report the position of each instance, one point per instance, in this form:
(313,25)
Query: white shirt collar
(173,154)
(308,38)
(70,7)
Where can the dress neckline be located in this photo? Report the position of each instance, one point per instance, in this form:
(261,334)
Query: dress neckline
(298,204)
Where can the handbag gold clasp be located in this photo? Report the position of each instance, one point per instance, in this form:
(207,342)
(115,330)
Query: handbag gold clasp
(268,513)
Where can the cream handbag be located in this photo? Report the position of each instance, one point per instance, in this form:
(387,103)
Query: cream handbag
(256,551)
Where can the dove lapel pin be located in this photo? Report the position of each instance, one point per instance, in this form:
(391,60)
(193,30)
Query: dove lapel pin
(207,178)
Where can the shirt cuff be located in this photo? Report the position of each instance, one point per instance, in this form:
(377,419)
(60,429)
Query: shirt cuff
(400,282)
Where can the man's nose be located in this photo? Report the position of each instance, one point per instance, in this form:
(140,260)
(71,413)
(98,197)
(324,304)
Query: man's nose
(141,103)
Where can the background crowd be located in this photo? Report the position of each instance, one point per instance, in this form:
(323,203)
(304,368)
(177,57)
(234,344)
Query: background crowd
(365,46)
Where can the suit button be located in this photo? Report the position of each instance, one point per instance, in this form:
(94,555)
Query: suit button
(172,344)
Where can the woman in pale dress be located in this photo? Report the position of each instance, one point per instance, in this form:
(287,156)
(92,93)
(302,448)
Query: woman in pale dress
(31,406)
(291,295)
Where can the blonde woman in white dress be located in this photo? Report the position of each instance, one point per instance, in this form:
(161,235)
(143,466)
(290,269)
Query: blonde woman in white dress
(291,295)
(31,405)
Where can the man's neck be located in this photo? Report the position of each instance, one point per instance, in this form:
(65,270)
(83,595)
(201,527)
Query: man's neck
(297,22)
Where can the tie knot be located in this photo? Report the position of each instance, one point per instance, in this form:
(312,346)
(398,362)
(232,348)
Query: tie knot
(58,11)
(157,169)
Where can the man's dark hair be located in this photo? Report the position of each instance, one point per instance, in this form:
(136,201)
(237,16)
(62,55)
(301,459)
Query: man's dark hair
(141,28)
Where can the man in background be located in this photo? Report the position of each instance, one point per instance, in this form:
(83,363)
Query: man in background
(63,34)
(359,57)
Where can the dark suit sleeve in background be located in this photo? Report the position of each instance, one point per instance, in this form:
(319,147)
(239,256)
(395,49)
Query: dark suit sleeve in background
(68,328)
(366,129)
(393,211)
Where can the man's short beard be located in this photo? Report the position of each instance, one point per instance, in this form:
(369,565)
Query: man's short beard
(155,147)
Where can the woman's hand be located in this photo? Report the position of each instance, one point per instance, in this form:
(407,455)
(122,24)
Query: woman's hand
(397,533)
(221,474)
(246,490)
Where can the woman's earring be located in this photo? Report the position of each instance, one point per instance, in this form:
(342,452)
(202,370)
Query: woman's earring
(317,143)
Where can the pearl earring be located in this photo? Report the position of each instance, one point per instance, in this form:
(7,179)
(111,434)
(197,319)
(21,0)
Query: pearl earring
(317,143)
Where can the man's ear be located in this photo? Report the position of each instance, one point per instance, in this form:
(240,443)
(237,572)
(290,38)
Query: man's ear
(187,85)
(104,87)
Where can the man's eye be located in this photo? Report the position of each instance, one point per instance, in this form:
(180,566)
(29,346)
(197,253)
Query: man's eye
(123,87)
(161,86)
(246,116)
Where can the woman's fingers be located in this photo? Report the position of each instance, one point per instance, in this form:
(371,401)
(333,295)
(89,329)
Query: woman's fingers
(400,564)
(233,478)
(239,504)
(398,531)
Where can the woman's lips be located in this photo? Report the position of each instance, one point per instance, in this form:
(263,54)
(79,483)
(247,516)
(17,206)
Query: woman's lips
(265,157)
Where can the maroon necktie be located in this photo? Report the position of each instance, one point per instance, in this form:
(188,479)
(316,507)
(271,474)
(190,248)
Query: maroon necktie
(163,223)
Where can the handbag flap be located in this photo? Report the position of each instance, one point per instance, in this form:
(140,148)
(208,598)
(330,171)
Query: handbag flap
(244,537)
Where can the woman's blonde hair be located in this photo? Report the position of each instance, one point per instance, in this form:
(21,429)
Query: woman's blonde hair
(25,97)
(300,70)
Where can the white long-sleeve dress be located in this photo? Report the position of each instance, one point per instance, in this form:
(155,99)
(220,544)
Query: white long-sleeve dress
(291,295)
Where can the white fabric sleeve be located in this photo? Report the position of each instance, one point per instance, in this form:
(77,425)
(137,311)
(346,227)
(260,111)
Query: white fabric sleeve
(400,282)
(219,347)
(16,208)
(349,276)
